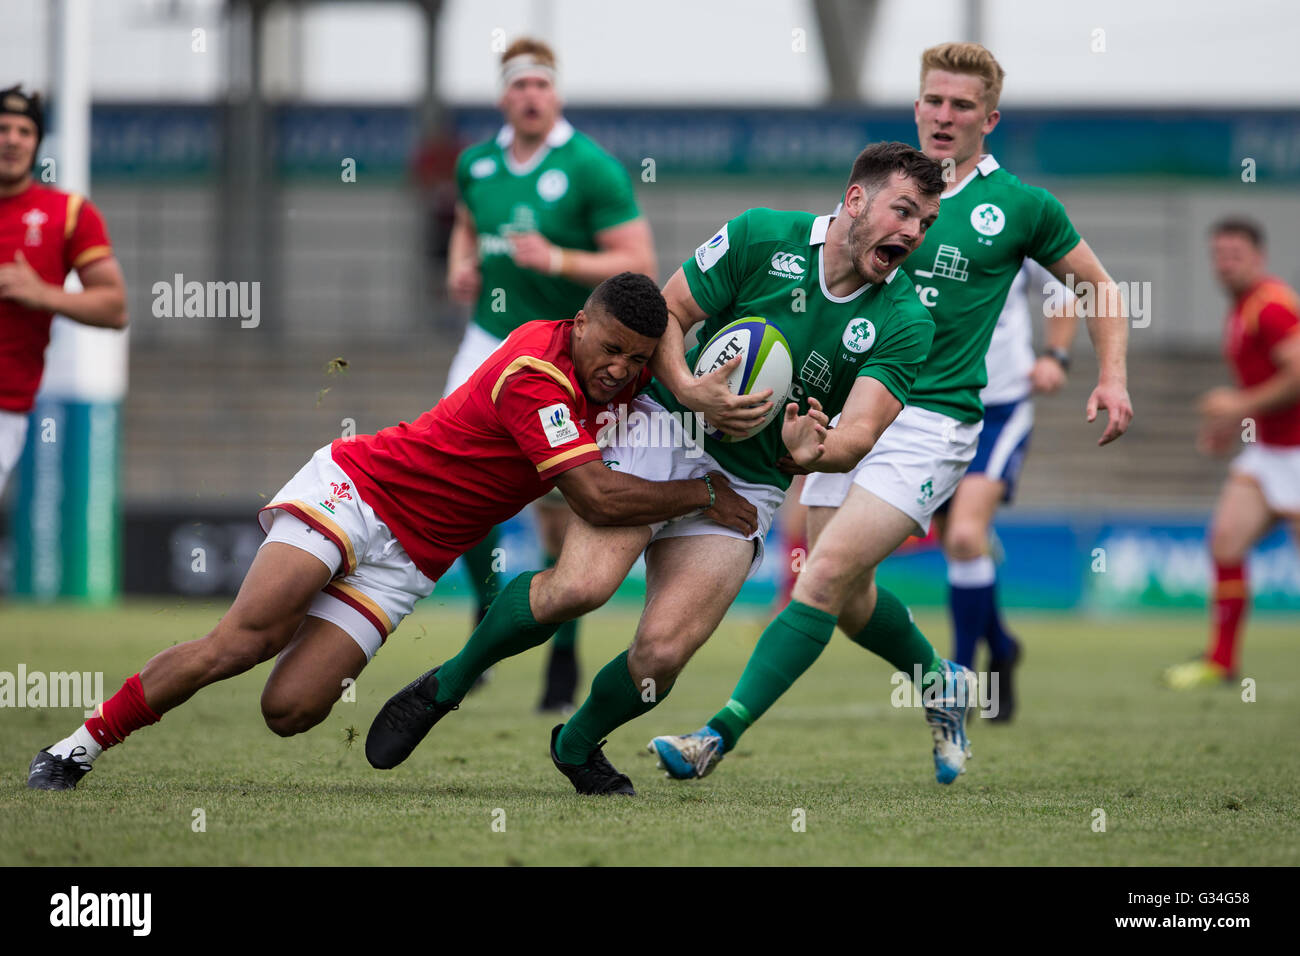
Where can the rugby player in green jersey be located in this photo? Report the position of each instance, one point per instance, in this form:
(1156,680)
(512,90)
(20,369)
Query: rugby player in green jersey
(545,215)
(989,223)
(857,333)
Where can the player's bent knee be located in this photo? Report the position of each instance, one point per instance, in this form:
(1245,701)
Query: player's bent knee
(566,599)
(965,542)
(286,719)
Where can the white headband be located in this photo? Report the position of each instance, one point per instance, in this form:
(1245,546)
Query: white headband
(525,64)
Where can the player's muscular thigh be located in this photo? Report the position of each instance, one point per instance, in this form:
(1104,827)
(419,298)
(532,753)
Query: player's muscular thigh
(690,584)
(592,564)
(271,603)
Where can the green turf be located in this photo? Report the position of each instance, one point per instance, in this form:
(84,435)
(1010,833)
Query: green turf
(1196,778)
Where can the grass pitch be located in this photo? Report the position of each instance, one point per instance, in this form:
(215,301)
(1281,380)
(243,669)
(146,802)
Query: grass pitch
(1195,778)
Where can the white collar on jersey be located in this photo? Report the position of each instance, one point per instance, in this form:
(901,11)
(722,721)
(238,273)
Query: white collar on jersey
(986,165)
(560,134)
(817,238)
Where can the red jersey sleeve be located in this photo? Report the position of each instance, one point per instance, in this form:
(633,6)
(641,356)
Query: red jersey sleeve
(540,415)
(86,238)
(1277,320)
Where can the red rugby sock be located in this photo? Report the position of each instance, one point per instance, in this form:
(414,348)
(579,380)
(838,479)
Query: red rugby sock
(122,713)
(1230,600)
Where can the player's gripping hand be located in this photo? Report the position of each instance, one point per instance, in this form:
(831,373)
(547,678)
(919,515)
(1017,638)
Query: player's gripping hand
(724,410)
(1119,410)
(805,435)
(729,508)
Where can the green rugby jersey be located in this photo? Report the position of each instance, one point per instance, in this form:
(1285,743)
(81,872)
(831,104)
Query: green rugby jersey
(568,191)
(768,263)
(963,269)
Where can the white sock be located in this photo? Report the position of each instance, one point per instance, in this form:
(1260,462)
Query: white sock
(82,738)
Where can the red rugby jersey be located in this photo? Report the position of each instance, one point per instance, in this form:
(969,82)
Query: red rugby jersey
(57,232)
(476,458)
(1268,313)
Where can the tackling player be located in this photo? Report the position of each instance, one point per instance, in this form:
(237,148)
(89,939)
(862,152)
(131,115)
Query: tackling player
(44,235)
(965,520)
(364,530)
(1262,344)
(990,223)
(544,215)
(857,334)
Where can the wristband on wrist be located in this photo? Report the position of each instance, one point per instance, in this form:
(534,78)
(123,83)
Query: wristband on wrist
(557,261)
(713,498)
(1061,356)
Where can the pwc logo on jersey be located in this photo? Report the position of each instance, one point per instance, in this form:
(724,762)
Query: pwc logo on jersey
(557,425)
(859,336)
(713,250)
(786,265)
(988,219)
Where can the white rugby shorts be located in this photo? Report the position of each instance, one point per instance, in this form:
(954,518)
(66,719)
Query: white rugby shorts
(376,584)
(915,466)
(662,453)
(1277,470)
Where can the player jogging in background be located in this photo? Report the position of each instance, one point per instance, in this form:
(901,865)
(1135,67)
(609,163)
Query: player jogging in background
(965,520)
(44,235)
(989,223)
(857,335)
(1262,344)
(364,530)
(544,215)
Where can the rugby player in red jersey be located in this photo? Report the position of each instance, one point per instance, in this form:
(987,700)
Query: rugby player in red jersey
(1262,344)
(44,235)
(364,530)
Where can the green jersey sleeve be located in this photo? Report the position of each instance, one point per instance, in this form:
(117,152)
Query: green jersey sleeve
(896,361)
(610,199)
(717,270)
(1054,235)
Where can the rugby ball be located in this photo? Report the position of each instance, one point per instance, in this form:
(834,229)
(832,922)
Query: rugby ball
(767,364)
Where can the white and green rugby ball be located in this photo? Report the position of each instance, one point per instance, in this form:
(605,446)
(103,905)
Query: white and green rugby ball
(767,364)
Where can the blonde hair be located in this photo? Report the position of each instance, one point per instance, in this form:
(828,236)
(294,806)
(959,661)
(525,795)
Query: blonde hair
(971,59)
(544,55)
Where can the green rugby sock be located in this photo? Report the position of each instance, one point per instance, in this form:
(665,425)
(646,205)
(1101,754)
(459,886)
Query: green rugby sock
(507,629)
(614,700)
(788,647)
(892,634)
(478,567)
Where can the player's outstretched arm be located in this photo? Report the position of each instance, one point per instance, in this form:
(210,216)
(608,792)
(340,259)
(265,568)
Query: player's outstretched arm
(868,411)
(1080,270)
(102,302)
(603,497)
(709,395)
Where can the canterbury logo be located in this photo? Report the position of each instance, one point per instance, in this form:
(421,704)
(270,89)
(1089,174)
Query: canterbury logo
(787,264)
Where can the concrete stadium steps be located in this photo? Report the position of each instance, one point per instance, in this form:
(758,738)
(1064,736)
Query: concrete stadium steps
(235,419)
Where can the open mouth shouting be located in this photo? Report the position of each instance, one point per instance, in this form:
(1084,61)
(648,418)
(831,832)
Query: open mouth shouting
(887,255)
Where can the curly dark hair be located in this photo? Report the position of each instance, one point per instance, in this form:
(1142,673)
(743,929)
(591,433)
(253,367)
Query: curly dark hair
(634,300)
(879,161)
